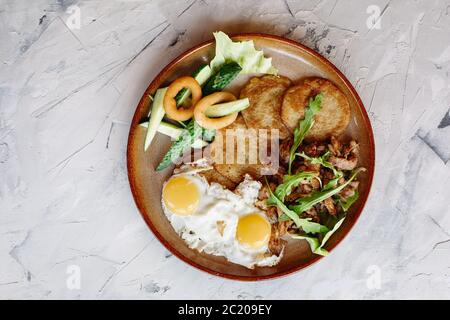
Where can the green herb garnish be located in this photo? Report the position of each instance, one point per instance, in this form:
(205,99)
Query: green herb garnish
(346,203)
(291,181)
(304,126)
(306,224)
(318,196)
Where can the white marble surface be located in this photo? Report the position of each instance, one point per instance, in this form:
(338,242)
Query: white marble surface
(67,97)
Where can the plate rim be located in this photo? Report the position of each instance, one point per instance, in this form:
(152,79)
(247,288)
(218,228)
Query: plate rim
(135,120)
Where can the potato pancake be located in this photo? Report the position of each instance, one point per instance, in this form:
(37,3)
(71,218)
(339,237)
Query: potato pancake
(331,120)
(266,97)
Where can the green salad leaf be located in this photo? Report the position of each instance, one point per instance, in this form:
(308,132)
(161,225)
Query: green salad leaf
(322,160)
(317,246)
(305,224)
(242,52)
(318,196)
(304,126)
(346,203)
(291,181)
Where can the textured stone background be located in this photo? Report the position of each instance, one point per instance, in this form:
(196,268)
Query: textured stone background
(67,97)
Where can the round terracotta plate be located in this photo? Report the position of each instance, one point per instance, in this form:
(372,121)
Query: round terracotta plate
(292,60)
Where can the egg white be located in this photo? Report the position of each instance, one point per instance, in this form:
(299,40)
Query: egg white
(200,230)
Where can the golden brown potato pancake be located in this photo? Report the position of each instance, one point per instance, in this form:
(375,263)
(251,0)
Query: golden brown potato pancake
(214,176)
(225,157)
(266,97)
(331,120)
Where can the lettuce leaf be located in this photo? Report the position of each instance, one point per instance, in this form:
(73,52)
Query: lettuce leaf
(241,52)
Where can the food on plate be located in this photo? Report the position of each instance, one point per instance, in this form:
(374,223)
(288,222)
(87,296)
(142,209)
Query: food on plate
(170,104)
(214,123)
(225,74)
(231,59)
(212,175)
(251,192)
(233,142)
(333,117)
(266,97)
(215,220)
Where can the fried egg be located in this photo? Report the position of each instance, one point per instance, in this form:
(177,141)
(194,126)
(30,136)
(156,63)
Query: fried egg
(217,221)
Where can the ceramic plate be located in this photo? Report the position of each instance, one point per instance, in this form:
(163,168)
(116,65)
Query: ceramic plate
(292,60)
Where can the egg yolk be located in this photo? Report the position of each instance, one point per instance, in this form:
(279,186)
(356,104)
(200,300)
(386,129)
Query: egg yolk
(181,196)
(253,231)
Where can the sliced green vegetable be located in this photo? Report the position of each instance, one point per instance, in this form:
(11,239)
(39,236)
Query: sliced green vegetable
(156,115)
(305,224)
(292,181)
(242,52)
(202,75)
(224,109)
(175,132)
(192,132)
(208,134)
(224,75)
(346,203)
(304,126)
(318,196)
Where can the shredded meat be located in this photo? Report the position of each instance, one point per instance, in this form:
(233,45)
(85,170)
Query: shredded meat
(276,244)
(349,190)
(264,192)
(272,214)
(284,226)
(314,149)
(315,183)
(344,157)
(335,146)
(344,164)
(285,147)
(351,148)
(329,205)
(311,213)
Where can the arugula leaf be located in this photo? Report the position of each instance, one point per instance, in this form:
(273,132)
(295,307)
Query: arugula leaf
(314,244)
(291,181)
(323,161)
(333,182)
(304,126)
(183,143)
(312,241)
(307,202)
(306,225)
(346,203)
